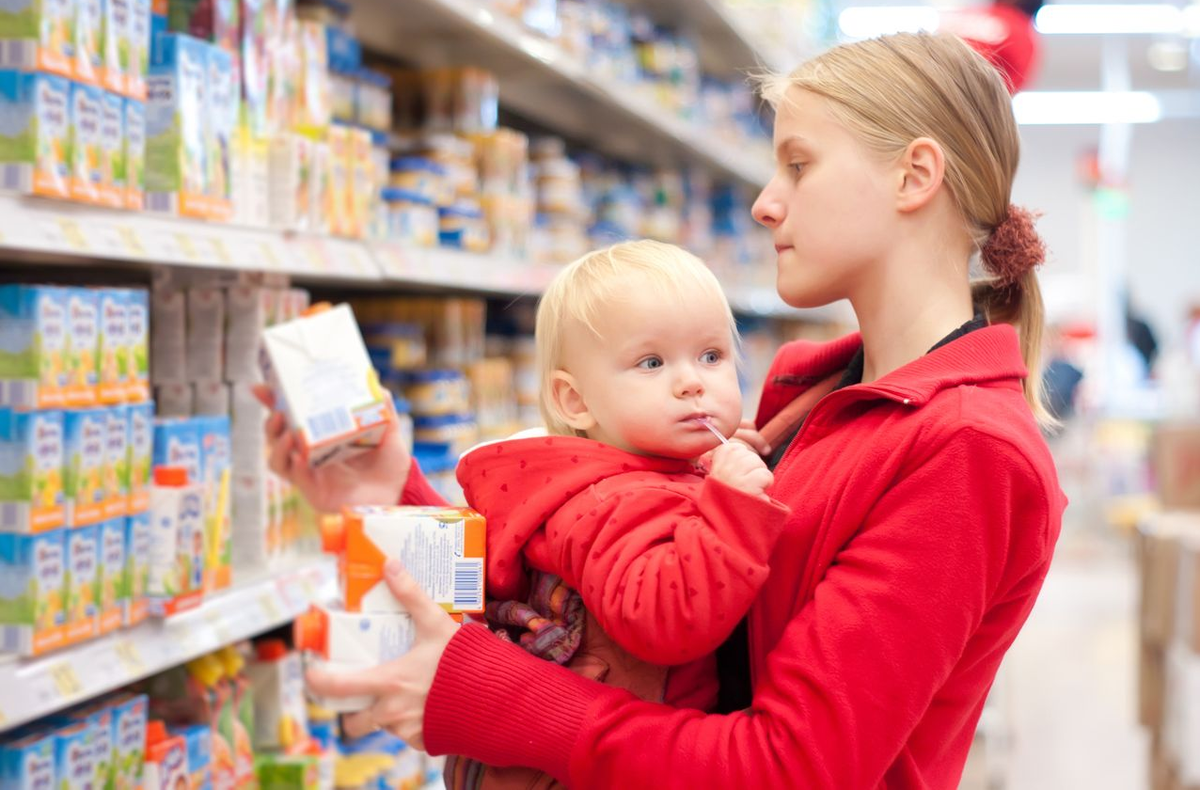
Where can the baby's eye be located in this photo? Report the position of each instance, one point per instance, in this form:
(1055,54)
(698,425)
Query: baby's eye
(650,363)
(710,357)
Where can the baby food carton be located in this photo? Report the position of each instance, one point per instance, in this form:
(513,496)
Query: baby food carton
(74,755)
(28,763)
(132,594)
(166,760)
(114,345)
(216,461)
(324,381)
(205,334)
(364,638)
(34,353)
(198,738)
(221,116)
(443,549)
(86,474)
(86,140)
(277,680)
(129,715)
(35,35)
(137,317)
(35,122)
(291,176)
(114,45)
(83,346)
(111,593)
(177,550)
(177,442)
(116,467)
(313,109)
(89,60)
(135,154)
(32,497)
(32,572)
(139,49)
(141,454)
(175,127)
(79,581)
(112,151)
(99,717)
(338,197)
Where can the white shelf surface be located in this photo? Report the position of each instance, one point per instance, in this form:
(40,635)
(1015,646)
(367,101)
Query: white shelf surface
(728,46)
(33,688)
(541,81)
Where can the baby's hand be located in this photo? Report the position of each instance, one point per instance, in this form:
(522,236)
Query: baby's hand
(737,466)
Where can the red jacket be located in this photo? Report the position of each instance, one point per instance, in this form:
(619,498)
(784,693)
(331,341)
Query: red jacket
(665,560)
(925,513)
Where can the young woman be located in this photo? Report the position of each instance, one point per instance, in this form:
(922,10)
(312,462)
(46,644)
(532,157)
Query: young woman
(925,503)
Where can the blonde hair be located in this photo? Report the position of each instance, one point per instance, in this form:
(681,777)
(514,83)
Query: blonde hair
(891,90)
(595,284)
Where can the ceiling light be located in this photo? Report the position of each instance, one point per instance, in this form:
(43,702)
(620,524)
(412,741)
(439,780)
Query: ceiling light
(871,21)
(1085,107)
(1071,19)
(1167,56)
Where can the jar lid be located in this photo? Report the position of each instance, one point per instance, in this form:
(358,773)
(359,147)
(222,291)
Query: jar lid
(419,163)
(458,210)
(436,374)
(393,195)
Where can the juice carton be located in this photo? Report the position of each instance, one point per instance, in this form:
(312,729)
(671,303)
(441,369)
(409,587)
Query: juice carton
(443,548)
(135,154)
(314,105)
(35,120)
(114,345)
(111,595)
(85,475)
(362,182)
(31,471)
(178,443)
(137,363)
(177,549)
(166,765)
(116,467)
(28,763)
(277,680)
(168,345)
(222,116)
(141,454)
(338,195)
(34,360)
(129,739)
(246,319)
(364,638)
(236,719)
(32,569)
(139,49)
(250,539)
(205,334)
(89,58)
(137,569)
(35,35)
(216,457)
(74,756)
(114,46)
(291,190)
(199,754)
(175,127)
(99,717)
(112,150)
(322,378)
(83,346)
(86,114)
(79,583)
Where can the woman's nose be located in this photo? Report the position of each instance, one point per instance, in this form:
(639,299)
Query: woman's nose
(768,209)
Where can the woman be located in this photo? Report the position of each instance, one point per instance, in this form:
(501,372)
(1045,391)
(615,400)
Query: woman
(925,503)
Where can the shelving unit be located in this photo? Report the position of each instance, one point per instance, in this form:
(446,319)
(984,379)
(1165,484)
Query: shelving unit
(38,687)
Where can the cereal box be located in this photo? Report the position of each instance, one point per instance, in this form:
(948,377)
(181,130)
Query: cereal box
(221,117)
(116,463)
(141,452)
(89,59)
(32,496)
(35,122)
(35,35)
(139,49)
(79,583)
(110,592)
(86,465)
(114,45)
(86,114)
(175,128)
(32,573)
(129,741)
(137,569)
(114,345)
(135,154)
(137,363)
(74,755)
(83,346)
(112,151)
(28,763)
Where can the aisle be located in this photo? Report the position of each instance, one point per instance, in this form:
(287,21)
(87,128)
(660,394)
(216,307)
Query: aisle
(1072,673)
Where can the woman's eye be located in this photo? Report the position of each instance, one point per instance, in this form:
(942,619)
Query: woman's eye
(796,168)
(711,357)
(650,363)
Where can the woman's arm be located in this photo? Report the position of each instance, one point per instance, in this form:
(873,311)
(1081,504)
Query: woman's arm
(851,677)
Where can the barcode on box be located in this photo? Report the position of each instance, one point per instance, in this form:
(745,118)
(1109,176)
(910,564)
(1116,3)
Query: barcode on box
(334,422)
(468,584)
(10,516)
(16,178)
(162,202)
(18,394)
(18,54)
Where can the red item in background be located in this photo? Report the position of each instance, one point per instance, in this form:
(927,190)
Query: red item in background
(1004,35)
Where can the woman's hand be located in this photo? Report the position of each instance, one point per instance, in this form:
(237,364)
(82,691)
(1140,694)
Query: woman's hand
(747,433)
(401,686)
(375,477)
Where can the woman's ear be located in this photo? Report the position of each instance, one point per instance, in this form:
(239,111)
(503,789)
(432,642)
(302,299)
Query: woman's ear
(568,400)
(923,168)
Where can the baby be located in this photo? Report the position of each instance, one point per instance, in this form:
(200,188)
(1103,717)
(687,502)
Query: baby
(608,550)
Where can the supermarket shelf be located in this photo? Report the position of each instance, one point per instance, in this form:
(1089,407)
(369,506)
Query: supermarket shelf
(727,45)
(548,85)
(461,271)
(48,229)
(38,687)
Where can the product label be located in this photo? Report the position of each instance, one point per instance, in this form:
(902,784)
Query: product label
(84,328)
(185,454)
(52,324)
(48,447)
(39,769)
(48,559)
(112,150)
(53,122)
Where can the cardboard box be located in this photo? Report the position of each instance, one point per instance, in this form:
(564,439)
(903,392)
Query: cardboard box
(130,715)
(137,569)
(35,108)
(176,180)
(135,154)
(36,36)
(28,763)
(111,594)
(36,368)
(34,566)
(114,345)
(168,338)
(141,454)
(116,465)
(87,110)
(32,494)
(111,191)
(205,334)
(137,315)
(87,470)
(1176,459)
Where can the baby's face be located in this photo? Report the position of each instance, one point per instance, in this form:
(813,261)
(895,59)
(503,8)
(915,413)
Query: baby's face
(660,363)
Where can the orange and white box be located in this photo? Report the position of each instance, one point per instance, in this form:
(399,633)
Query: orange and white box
(323,379)
(442,548)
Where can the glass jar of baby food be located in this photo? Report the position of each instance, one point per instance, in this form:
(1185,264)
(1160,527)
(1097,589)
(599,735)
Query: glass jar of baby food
(433,393)
(463,227)
(422,176)
(411,218)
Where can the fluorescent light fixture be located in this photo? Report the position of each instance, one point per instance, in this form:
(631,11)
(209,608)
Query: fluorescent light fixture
(871,21)
(1085,107)
(1071,19)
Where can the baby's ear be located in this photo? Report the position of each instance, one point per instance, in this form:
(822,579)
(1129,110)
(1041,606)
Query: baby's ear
(568,401)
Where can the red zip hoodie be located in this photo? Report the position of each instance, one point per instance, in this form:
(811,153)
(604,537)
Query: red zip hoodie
(925,509)
(665,560)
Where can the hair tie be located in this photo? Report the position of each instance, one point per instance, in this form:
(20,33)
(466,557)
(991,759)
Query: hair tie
(1014,248)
